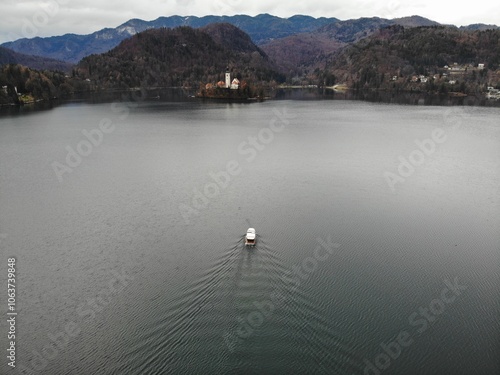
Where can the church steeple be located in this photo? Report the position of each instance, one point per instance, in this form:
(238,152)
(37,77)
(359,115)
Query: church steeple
(228,78)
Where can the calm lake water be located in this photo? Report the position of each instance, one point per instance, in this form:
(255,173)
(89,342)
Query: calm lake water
(377,251)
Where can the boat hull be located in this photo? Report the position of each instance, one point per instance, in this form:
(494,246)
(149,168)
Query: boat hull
(249,242)
(250,237)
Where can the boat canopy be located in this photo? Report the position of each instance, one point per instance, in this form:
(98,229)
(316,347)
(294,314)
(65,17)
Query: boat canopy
(251,233)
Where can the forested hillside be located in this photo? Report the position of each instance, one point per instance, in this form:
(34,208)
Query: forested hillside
(302,53)
(179,57)
(24,85)
(394,56)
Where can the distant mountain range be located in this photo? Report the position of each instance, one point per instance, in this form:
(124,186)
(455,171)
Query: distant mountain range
(72,48)
(8,56)
(263,29)
(480,26)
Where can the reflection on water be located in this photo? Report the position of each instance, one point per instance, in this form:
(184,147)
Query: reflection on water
(410,98)
(187,95)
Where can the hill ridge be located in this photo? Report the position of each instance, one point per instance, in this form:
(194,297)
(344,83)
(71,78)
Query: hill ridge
(73,47)
(181,56)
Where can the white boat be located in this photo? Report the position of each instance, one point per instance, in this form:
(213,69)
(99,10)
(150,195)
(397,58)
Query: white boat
(250,237)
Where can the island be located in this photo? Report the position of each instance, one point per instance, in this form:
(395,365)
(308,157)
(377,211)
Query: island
(232,90)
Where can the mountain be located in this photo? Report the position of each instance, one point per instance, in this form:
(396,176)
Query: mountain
(72,47)
(307,36)
(415,21)
(229,35)
(479,26)
(309,50)
(8,56)
(182,56)
(351,31)
(297,53)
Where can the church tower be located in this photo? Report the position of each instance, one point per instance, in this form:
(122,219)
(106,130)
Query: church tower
(228,78)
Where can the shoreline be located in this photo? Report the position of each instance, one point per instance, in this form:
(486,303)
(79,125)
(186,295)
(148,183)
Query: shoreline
(311,92)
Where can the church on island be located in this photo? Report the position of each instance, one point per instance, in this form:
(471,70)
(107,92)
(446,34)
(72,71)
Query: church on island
(228,89)
(234,85)
(228,84)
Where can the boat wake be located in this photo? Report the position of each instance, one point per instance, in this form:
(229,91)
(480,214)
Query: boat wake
(207,320)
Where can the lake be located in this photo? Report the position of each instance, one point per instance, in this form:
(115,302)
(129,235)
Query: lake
(377,237)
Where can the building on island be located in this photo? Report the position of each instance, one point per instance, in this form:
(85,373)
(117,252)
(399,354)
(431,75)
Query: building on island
(228,78)
(231,89)
(234,84)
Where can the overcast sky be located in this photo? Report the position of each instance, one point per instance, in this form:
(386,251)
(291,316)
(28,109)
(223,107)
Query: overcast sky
(29,18)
